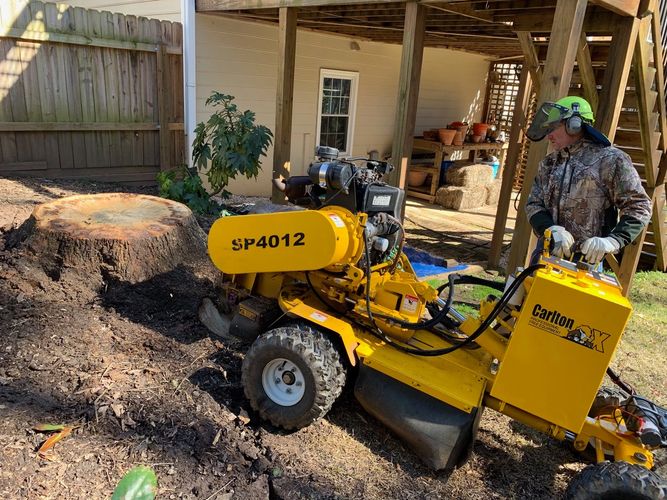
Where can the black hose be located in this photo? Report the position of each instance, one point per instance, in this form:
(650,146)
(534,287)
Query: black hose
(616,379)
(439,316)
(480,329)
(474,280)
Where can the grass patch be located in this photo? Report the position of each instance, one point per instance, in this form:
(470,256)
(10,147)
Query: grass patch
(641,357)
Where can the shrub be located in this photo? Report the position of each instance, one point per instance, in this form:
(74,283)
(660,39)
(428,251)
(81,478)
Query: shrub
(186,187)
(231,142)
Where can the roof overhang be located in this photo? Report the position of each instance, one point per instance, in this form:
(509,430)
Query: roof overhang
(482,27)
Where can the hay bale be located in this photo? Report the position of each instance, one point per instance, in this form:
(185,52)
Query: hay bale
(493,192)
(476,175)
(458,198)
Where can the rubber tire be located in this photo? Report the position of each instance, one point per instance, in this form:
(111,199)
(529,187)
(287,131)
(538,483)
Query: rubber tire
(616,480)
(605,397)
(317,358)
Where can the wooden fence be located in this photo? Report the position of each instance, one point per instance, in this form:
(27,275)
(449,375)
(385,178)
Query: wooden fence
(87,94)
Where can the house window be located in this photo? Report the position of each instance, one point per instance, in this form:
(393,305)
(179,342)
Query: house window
(337,105)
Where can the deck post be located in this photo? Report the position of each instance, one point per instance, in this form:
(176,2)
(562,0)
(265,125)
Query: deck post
(408,90)
(516,139)
(284,99)
(561,55)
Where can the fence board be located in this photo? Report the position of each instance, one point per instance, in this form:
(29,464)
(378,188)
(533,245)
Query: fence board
(26,52)
(58,81)
(78,93)
(7,141)
(85,82)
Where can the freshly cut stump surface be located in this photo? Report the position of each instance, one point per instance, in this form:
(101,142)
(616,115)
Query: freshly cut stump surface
(131,237)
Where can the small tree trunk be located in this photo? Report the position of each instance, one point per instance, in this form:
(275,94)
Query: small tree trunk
(125,236)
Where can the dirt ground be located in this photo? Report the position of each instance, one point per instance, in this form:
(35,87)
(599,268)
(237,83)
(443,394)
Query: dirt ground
(147,384)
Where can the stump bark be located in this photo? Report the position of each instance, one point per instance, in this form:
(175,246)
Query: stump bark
(130,237)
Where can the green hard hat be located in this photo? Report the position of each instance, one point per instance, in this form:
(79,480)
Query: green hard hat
(568,106)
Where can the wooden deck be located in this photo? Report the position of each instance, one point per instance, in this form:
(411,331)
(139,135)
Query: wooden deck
(463,235)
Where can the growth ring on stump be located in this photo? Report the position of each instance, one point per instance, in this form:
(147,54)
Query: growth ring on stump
(126,236)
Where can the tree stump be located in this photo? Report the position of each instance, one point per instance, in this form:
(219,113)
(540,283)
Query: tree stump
(130,237)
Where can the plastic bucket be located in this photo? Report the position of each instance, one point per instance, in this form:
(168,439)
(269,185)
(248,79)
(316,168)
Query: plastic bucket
(443,171)
(496,166)
(494,163)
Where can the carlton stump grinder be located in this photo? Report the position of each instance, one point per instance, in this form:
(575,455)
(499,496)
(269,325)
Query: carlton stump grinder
(324,292)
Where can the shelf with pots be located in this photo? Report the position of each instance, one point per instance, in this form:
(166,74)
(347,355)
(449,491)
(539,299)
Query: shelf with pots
(423,176)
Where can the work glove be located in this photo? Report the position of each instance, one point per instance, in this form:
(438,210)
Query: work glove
(562,242)
(594,249)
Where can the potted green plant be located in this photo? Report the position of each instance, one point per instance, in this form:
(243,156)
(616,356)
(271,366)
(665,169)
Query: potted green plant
(229,143)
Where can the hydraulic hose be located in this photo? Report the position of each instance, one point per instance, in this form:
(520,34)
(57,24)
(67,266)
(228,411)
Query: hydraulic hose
(442,313)
(480,329)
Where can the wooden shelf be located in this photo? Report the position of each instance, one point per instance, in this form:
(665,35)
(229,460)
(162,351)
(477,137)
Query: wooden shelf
(435,146)
(441,152)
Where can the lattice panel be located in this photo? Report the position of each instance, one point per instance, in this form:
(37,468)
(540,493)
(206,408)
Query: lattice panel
(525,146)
(502,92)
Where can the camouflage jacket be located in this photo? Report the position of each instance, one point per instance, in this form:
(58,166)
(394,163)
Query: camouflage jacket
(583,188)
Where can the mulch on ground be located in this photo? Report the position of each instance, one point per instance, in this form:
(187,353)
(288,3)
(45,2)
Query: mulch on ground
(147,384)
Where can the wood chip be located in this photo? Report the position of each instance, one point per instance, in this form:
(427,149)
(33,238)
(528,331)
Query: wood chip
(243,417)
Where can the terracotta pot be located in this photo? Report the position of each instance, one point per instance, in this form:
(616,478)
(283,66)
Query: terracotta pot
(458,138)
(446,136)
(416,179)
(480,129)
(431,135)
(476,138)
(463,128)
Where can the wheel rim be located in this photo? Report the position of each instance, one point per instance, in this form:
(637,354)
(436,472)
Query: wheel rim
(283,382)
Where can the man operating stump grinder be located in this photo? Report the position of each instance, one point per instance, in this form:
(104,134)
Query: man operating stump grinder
(582,186)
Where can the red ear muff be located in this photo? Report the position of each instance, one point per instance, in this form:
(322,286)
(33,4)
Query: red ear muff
(573,125)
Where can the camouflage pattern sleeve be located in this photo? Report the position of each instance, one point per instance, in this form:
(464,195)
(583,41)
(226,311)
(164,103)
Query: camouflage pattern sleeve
(628,193)
(629,197)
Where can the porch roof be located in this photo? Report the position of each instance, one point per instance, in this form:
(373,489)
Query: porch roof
(485,27)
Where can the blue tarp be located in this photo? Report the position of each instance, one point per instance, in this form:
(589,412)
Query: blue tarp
(426,264)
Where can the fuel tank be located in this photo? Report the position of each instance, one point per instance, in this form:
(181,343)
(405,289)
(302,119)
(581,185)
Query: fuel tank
(285,241)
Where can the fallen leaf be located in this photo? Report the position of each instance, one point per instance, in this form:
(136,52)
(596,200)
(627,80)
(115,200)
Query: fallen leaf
(217,437)
(118,409)
(51,441)
(127,422)
(49,427)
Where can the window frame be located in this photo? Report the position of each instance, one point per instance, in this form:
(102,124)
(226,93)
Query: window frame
(353,76)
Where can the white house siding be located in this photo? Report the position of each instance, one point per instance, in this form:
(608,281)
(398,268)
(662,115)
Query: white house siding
(165,10)
(240,58)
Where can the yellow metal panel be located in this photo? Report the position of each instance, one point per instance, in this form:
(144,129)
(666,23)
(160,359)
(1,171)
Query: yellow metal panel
(454,378)
(561,346)
(269,285)
(284,241)
(341,327)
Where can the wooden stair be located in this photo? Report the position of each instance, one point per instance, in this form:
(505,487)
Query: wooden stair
(642,133)
(640,130)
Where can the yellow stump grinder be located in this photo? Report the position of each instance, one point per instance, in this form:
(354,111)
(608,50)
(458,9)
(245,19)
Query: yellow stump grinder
(323,290)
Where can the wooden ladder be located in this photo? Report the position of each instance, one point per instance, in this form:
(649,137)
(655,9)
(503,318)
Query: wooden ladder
(649,145)
(639,129)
